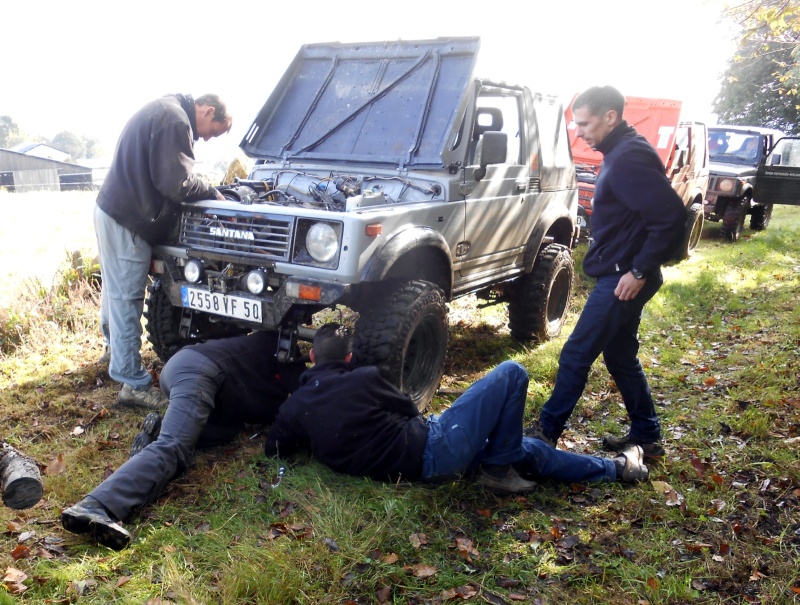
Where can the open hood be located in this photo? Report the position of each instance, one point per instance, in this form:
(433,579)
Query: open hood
(378,102)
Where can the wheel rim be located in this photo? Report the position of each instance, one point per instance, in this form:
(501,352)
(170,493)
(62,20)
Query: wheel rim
(697,230)
(559,298)
(418,366)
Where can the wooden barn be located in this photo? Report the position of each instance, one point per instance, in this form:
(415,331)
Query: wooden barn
(20,172)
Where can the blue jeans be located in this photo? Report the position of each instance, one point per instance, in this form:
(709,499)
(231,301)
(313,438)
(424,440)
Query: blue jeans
(191,380)
(485,425)
(609,326)
(124,263)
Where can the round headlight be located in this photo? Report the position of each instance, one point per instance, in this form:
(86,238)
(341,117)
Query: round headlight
(193,271)
(727,185)
(322,242)
(256,281)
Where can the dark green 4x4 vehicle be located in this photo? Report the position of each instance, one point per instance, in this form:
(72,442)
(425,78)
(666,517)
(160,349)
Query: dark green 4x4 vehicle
(751,169)
(388,180)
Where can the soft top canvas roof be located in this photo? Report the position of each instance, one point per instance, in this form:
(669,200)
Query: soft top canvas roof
(382,102)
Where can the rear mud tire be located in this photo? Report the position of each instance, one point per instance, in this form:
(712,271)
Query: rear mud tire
(163,322)
(733,219)
(760,217)
(539,301)
(692,232)
(404,333)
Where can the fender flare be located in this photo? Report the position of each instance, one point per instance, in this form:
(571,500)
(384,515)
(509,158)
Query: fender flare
(401,243)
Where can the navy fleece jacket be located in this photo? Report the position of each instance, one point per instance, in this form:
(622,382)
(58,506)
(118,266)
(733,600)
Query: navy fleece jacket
(637,218)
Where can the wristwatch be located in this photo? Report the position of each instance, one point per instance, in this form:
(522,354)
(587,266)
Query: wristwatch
(637,274)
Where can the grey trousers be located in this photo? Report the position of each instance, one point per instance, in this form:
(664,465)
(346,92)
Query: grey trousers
(124,262)
(191,381)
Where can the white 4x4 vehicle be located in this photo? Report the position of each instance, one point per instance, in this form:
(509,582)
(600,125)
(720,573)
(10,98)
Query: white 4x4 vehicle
(388,180)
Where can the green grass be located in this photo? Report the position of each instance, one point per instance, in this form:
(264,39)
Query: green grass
(720,344)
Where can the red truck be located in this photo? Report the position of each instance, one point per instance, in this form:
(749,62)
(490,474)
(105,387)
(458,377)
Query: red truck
(681,145)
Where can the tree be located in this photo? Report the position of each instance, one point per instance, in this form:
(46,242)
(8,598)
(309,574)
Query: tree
(752,92)
(776,22)
(9,132)
(70,142)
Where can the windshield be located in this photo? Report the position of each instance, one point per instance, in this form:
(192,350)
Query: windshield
(735,147)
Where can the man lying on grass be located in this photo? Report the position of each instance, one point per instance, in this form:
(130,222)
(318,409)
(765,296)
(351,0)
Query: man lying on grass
(214,389)
(358,423)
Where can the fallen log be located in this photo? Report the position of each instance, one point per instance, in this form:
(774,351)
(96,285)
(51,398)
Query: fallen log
(20,478)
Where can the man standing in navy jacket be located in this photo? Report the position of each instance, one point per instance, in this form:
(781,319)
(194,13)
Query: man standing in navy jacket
(637,223)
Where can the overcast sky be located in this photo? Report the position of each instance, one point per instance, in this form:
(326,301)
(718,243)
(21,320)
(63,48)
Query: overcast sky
(86,66)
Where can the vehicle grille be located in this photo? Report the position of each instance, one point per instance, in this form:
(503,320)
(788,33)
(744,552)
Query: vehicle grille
(254,236)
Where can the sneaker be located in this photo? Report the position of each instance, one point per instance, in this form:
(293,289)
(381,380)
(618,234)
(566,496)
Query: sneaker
(150,398)
(617,444)
(503,478)
(105,358)
(535,432)
(630,465)
(151,427)
(90,517)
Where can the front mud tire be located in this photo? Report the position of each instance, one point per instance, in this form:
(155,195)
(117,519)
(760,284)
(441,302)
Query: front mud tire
(540,299)
(760,217)
(733,219)
(403,331)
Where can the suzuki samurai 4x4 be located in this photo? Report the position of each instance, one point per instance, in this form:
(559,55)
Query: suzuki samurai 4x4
(388,180)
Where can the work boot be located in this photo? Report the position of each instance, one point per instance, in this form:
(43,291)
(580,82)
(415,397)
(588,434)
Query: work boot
(150,398)
(105,358)
(535,431)
(503,478)
(651,450)
(630,465)
(90,517)
(151,427)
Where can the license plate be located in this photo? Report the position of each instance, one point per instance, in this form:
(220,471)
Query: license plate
(228,305)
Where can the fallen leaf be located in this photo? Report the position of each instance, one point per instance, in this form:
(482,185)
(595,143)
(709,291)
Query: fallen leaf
(421,570)
(56,466)
(418,540)
(466,549)
(21,552)
(652,583)
(383,594)
(390,558)
(122,580)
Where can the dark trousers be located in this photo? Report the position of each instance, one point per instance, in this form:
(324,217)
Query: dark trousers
(191,380)
(609,326)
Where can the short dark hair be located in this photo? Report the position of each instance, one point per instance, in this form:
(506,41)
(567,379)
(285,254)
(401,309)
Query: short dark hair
(220,109)
(332,342)
(600,99)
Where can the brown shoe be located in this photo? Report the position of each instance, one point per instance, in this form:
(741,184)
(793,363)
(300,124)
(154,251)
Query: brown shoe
(630,465)
(535,432)
(150,398)
(617,444)
(503,478)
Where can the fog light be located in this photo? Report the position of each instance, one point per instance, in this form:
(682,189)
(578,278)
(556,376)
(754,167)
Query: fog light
(256,281)
(193,271)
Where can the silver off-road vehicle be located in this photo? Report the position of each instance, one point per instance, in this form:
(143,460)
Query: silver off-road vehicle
(390,181)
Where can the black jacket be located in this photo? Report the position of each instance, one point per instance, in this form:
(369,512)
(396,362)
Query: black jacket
(254,384)
(151,173)
(637,218)
(354,421)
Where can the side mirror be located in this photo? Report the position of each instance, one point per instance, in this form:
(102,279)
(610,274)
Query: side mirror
(493,150)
